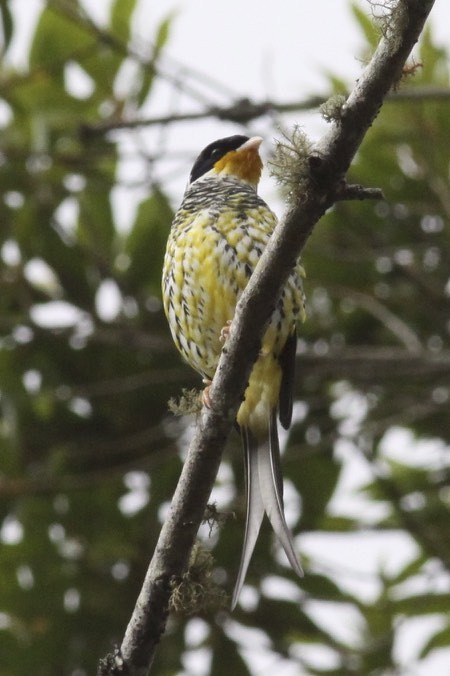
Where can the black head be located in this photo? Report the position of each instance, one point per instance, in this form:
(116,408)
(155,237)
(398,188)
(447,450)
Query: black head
(213,153)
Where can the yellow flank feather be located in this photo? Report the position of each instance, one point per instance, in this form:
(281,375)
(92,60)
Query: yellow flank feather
(261,395)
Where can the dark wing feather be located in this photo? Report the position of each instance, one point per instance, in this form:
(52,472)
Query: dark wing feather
(287,363)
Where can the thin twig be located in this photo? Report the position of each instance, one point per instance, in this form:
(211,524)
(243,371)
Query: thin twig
(241,111)
(354,191)
(245,110)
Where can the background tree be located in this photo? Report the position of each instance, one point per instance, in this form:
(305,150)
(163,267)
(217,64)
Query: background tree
(89,453)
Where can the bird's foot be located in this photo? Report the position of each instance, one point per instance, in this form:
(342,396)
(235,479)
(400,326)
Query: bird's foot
(225,332)
(206,397)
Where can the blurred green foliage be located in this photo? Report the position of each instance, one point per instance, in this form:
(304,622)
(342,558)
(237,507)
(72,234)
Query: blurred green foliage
(89,455)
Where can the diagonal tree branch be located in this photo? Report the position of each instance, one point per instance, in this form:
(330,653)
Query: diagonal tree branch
(328,164)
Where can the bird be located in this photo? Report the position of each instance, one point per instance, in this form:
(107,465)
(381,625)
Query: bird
(216,239)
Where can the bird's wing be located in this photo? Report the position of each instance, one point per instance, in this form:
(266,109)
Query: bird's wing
(287,363)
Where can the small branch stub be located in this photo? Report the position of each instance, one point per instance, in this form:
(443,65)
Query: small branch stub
(355,191)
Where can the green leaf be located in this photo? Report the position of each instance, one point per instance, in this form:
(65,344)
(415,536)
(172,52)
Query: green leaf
(367,25)
(68,262)
(120,18)
(433,60)
(162,33)
(440,640)
(322,587)
(147,77)
(226,659)
(96,228)
(66,37)
(316,478)
(411,568)
(423,604)
(148,71)
(71,39)
(7,24)
(146,243)
(338,524)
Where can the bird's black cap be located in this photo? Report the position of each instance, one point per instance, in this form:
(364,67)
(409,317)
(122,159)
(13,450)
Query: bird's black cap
(212,154)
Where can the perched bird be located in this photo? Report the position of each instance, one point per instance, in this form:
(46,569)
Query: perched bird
(217,237)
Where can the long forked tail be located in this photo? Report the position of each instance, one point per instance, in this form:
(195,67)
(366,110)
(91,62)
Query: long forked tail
(264,494)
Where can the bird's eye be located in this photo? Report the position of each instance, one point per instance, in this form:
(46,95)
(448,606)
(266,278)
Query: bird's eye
(215,152)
